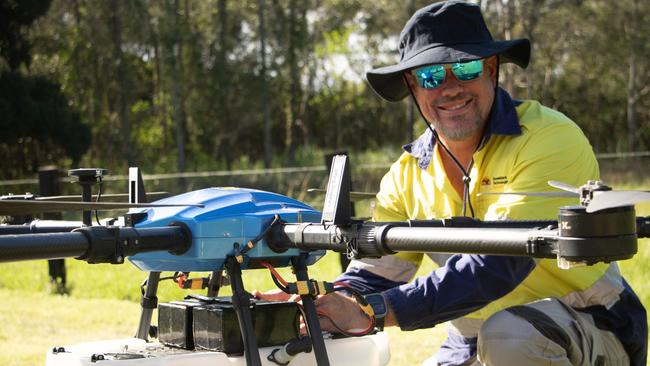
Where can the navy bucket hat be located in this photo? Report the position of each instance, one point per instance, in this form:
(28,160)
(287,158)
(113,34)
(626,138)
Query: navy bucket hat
(442,33)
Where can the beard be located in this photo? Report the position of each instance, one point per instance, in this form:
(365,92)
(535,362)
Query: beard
(459,128)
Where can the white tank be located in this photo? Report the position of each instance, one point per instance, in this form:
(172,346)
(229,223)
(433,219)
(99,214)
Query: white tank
(371,350)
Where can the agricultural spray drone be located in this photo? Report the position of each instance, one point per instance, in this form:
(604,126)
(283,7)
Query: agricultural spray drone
(235,229)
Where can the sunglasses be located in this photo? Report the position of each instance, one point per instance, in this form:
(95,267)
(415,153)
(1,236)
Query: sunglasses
(432,76)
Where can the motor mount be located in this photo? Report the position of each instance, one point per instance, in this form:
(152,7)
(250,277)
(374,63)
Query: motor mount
(602,236)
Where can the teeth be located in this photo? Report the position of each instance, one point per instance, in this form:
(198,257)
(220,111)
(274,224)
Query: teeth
(457,106)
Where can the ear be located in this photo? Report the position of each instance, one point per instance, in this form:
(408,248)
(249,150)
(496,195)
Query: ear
(491,66)
(410,80)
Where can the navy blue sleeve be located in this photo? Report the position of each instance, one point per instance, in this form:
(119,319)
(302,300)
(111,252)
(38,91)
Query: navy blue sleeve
(465,284)
(366,282)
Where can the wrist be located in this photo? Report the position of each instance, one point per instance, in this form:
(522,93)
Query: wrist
(379,307)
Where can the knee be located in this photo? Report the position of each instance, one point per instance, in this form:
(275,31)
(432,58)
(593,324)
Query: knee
(504,330)
(507,339)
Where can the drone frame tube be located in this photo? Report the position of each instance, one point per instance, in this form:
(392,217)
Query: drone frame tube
(42,246)
(95,244)
(371,240)
(571,239)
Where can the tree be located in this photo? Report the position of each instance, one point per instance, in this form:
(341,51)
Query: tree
(15,18)
(38,125)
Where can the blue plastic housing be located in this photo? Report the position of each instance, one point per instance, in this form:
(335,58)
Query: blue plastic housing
(231,217)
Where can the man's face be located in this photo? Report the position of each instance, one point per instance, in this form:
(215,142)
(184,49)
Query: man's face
(458,110)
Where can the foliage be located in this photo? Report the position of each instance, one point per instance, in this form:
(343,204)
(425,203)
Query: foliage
(179,84)
(38,126)
(15,17)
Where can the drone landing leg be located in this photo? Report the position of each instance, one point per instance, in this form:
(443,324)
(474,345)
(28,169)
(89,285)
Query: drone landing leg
(214,284)
(149,302)
(311,318)
(241,303)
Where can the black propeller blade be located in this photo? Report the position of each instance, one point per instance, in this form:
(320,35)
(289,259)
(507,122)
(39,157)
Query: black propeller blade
(354,196)
(22,207)
(108,197)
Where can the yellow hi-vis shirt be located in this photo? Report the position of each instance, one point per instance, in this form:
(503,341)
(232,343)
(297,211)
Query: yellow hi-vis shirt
(550,147)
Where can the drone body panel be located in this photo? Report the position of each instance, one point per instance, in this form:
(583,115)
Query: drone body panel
(230,217)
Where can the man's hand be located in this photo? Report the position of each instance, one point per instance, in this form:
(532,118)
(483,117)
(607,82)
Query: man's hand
(344,311)
(275,295)
(332,308)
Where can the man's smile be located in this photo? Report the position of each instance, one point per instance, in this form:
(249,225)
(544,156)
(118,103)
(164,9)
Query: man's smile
(455,106)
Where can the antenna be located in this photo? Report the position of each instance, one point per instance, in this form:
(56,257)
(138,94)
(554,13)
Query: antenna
(336,208)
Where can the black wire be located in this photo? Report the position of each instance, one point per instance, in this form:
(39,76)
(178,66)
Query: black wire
(344,332)
(146,281)
(99,195)
(466,178)
(276,218)
(280,286)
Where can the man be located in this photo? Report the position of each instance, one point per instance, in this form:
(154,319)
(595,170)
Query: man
(503,310)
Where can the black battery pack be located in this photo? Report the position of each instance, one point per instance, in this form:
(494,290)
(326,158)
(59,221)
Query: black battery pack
(211,324)
(175,323)
(216,327)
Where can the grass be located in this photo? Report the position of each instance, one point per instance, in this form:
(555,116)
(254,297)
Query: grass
(103,304)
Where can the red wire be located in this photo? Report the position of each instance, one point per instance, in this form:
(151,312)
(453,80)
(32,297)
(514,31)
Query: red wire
(274,273)
(181,279)
(370,327)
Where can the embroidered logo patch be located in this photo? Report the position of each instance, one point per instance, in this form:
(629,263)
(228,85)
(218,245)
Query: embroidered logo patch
(485,181)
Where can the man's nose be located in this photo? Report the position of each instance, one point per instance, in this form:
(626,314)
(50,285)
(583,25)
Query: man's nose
(451,86)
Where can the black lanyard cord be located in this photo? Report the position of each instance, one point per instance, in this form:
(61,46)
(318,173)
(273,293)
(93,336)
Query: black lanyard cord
(466,178)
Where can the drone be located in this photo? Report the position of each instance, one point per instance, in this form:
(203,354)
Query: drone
(236,229)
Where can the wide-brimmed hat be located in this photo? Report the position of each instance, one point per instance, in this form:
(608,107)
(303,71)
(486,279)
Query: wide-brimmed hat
(442,33)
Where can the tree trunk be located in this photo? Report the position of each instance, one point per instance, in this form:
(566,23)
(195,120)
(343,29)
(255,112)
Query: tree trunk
(119,71)
(176,81)
(268,147)
(294,72)
(223,82)
(631,82)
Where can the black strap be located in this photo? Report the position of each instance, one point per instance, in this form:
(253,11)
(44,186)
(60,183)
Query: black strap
(544,324)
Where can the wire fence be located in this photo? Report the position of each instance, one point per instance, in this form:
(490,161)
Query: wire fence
(624,168)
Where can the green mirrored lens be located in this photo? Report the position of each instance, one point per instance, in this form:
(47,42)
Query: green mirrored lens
(430,77)
(466,71)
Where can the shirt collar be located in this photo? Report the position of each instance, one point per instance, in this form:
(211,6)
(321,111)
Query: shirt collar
(503,120)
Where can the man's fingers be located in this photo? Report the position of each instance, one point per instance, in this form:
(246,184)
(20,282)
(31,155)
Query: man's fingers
(272,295)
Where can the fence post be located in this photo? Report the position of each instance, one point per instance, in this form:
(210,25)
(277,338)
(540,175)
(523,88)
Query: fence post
(48,185)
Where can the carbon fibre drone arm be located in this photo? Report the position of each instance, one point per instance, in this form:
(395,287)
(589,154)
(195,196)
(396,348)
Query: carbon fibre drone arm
(578,237)
(96,244)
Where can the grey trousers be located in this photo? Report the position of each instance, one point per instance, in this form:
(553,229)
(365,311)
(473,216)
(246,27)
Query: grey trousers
(519,336)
